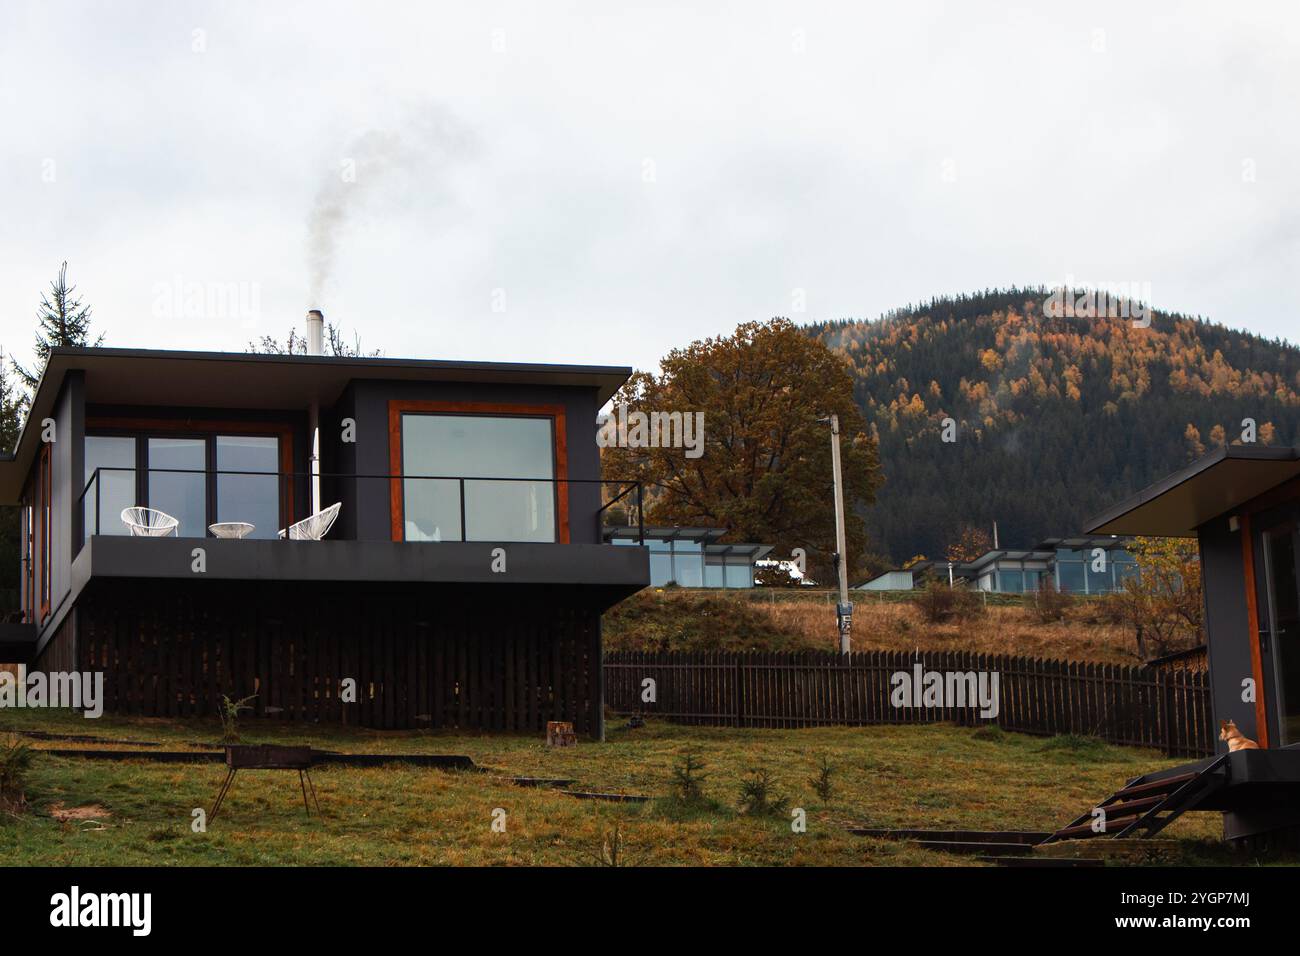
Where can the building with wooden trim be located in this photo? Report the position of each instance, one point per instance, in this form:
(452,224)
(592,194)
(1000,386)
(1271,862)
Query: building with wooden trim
(461,585)
(1242,504)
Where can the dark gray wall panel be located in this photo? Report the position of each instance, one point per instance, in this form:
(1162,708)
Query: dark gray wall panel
(1227,633)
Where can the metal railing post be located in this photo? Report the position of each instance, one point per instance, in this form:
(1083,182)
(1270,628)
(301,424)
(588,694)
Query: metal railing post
(640,517)
(464,532)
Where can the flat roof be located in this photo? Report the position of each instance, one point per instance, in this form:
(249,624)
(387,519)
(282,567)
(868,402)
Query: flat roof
(257,381)
(668,532)
(1211,486)
(991,557)
(1089,541)
(708,537)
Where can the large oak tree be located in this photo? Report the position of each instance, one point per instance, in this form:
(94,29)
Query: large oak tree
(765,470)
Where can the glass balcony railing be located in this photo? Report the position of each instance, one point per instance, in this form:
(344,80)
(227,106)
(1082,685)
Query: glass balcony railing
(427,508)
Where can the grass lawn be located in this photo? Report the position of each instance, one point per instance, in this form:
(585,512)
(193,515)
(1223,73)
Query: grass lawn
(914,776)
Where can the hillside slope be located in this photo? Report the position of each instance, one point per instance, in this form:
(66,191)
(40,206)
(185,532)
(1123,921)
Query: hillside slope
(686,620)
(1058,416)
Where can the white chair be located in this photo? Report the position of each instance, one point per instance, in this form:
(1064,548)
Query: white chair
(315,527)
(148,523)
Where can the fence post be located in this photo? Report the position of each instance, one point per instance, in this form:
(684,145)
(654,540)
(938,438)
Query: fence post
(1166,689)
(740,685)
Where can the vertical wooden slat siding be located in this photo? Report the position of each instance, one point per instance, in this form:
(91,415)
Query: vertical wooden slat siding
(1134,706)
(415,663)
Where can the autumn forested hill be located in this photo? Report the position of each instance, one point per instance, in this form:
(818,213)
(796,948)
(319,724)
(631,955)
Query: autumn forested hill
(1059,417)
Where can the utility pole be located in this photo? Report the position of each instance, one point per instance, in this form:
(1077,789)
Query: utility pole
(844,610)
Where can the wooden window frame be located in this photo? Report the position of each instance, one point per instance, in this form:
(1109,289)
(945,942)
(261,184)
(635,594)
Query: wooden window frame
(559,443)
(1285,493)
(142,429)
(45,518)
(29,555)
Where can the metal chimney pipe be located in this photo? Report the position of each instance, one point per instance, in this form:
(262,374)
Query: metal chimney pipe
(315,346)
(315,332)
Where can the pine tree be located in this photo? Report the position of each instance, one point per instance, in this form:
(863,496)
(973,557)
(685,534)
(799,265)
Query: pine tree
(63,321)
(10,422)
(10,410)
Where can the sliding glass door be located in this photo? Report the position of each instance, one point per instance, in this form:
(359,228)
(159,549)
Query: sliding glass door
(1282,577)
(254,498)
(177,483)
(197,479)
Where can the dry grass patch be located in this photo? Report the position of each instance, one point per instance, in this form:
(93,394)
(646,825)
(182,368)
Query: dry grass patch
(999,630)
(677,619)
(91,811)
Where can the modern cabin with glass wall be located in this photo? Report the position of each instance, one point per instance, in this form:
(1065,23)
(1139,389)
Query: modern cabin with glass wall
(693,557)
(461,582)
(1086,565)
(1079,566)
(1242,505)
(1091,564)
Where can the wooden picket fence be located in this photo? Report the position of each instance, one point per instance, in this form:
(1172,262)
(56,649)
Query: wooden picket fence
(1135,706)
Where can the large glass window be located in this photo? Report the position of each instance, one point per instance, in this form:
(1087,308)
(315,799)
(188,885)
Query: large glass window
(479,449)
(254,498)
(688,563)
(714,576)
(1070,577)
(177,484)
(1100,582)
(661,562)
(114,490)
(740,573)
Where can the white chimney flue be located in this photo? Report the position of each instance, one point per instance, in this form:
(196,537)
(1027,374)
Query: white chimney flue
(315,346)
(315,332)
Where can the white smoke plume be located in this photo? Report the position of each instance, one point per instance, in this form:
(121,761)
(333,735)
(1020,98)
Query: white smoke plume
(411,159)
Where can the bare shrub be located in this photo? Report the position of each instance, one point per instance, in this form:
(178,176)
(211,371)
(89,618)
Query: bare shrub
(940,604)
(1047,603)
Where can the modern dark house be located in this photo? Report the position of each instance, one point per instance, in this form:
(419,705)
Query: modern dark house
(461,584)
(1242,504)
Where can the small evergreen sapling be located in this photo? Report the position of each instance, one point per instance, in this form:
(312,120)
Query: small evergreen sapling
(757,797)
(688,775)
(822,781)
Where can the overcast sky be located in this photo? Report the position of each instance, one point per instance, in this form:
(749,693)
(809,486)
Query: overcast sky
(600,182)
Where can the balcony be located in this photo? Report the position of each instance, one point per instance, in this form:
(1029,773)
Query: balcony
(391,528)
